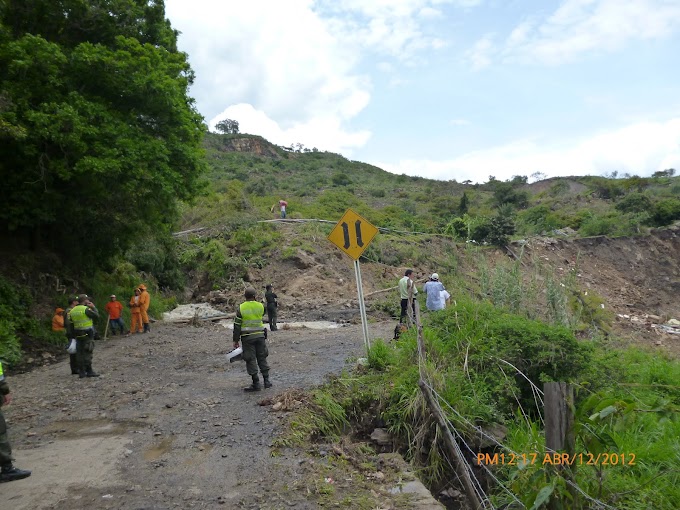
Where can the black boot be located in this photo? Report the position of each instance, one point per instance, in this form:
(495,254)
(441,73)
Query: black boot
(147,328)
(267,382)
(9,473)
(81,373)
(255,386)
(90,372)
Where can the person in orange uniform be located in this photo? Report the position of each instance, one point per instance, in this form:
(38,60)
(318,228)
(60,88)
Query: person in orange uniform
(115,309)
(144,301)
(58,320)
(136,313)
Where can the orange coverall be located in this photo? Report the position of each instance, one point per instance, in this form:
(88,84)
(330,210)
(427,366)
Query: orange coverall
(136,314)
(144,300)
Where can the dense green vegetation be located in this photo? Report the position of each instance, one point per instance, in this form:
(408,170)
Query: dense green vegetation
(486,366)
(98,137)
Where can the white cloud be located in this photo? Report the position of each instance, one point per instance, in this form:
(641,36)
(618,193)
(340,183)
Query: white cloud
(296,62)
(638,149)
(482,53)
(280,57)
(459,122)
(324,133)
(581,27)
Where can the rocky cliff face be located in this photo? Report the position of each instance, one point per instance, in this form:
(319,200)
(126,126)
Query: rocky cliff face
(254,145)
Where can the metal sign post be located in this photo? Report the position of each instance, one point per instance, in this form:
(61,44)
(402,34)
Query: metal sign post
(362,305)
(352,234)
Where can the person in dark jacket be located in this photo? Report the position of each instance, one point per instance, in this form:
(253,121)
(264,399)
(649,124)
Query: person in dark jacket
(8,473)
(272,305)
(249,331)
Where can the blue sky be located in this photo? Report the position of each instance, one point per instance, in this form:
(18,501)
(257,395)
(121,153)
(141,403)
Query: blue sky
(446,89)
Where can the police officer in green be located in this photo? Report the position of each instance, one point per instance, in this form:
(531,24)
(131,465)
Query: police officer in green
(81,316)
(68,325)
(249,330)
(8,473)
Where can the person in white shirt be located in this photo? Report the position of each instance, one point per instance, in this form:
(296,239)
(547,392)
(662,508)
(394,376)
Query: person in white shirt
(433,289)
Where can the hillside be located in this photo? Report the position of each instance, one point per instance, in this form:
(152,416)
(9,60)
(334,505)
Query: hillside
(425,225)
(597,294)
(637,275)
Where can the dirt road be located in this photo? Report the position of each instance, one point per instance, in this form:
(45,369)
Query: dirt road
(167,425)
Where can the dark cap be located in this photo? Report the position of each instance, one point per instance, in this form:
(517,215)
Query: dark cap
(71,299)
(250,293)
(82,298)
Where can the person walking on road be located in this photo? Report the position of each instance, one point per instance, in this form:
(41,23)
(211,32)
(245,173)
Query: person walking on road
(406,287)
(272,305)
(249,331)
(70,333)
(144,302)
(136,322)
(115,309)
(8,473)
(81,317)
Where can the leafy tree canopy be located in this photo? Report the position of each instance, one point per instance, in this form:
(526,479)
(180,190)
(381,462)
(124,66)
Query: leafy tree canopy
(227,126)
(98,137)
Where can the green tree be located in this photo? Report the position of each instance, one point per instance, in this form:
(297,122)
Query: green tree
(463,205)
(104,137)
(227,126)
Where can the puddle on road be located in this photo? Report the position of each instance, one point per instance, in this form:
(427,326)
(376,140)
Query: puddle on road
(155,451)
(84,428)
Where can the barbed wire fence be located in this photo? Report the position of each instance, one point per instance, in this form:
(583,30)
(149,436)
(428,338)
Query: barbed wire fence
(455,439)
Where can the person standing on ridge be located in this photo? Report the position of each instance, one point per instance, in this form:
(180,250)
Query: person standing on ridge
(272,305)
(8,473)
(136,314)
(81,317)
(250,331)
(406,284)
(115,309)
(144,301)
(282,205)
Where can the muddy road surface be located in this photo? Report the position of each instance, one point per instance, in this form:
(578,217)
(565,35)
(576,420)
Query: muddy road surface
(167,424)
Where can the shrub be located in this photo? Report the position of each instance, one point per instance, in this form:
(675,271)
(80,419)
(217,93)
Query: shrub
(14,303)
(484,335)
(665,212)
(380,355)
(634,202)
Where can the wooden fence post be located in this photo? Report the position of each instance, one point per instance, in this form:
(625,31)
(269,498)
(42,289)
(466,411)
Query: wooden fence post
(559,429)
(559,417)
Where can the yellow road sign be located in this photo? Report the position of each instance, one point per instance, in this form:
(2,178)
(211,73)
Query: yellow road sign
(352,234)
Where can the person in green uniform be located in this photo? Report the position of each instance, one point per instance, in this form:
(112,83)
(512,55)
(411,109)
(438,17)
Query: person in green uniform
(250,332)
(81,316)
(8,473)
(68,325)
(272,305)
